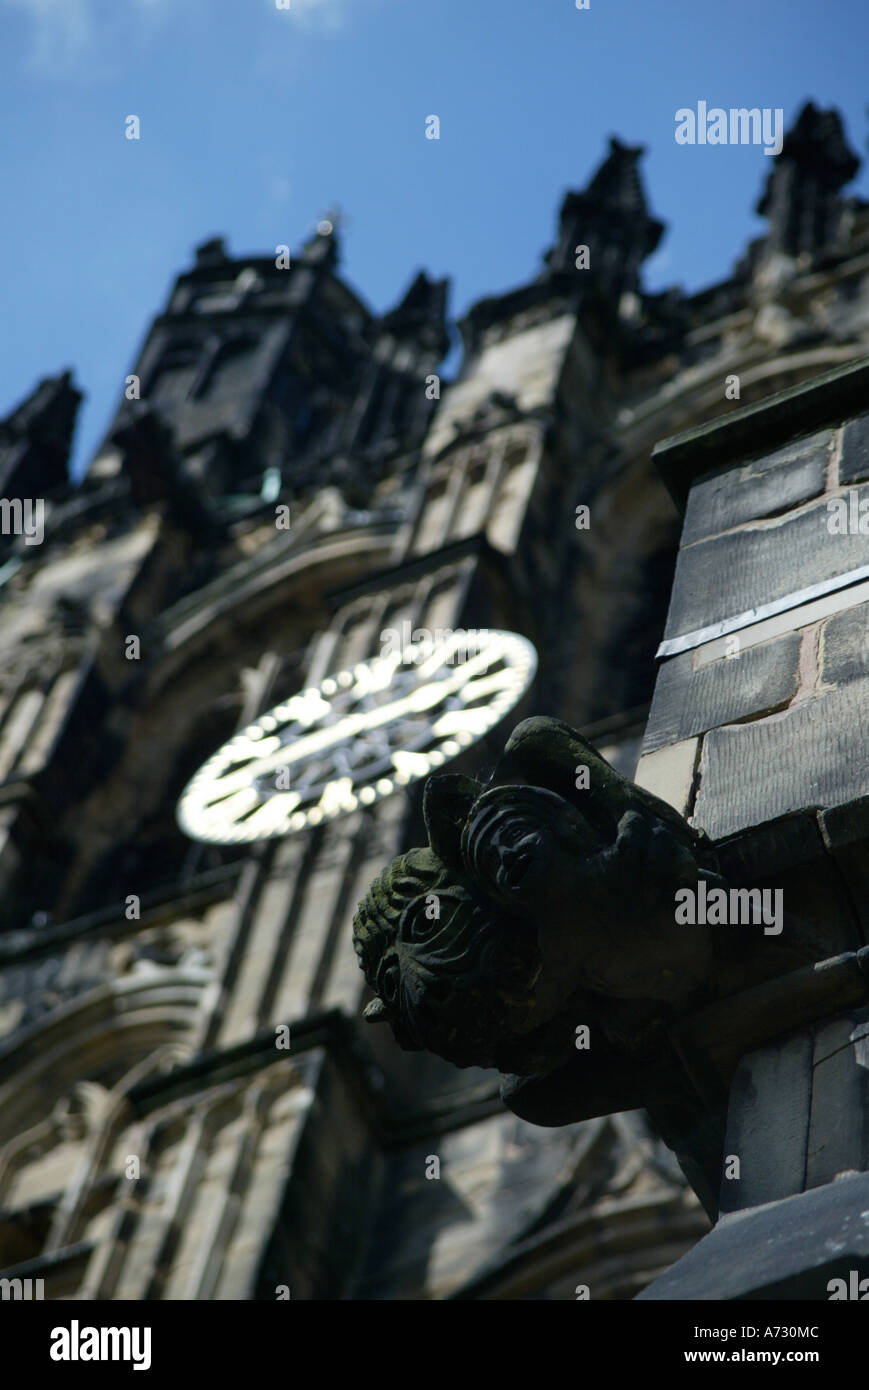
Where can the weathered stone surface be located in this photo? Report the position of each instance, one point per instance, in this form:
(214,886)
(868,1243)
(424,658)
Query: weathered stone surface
(773,483)
(789,1249)
(768,1123)
(797,1113)
(854,463)
(791,853)
(689,702)
(744,433)
(731,574)
(838,1130)
(812,754)
(845,646)
(669,773)
(846,832)
(792,620)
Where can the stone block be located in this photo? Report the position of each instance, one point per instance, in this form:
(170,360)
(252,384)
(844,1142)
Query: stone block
(845,646)
(854,464)
(838,1132)
(791,853)
(789,1249)
(688,702)
(669,773)
(812,754)
(792,620)
(768,1124)
(729,575)
(846,833)
(774,483)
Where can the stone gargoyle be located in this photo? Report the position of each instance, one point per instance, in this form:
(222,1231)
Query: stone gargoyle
(544,905)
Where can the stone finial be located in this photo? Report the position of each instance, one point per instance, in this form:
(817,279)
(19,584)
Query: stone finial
(420,315)
(36,438)
(610,217)
(801,196)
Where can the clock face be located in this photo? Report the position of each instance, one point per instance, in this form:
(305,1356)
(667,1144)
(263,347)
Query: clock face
(360,735)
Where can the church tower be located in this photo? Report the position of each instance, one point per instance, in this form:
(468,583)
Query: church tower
(191,1106)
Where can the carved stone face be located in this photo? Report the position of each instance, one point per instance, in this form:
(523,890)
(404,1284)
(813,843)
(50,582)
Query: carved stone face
(449,974)
(512,832)
(525,898)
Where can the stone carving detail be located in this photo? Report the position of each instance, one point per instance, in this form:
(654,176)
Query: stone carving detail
(540,906)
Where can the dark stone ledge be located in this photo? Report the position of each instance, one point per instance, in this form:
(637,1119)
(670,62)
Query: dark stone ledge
(827,399)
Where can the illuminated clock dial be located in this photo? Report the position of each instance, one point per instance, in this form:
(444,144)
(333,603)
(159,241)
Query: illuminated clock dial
(360,735)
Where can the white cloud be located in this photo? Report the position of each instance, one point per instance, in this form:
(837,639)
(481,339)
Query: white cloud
(64,32)
(322,16)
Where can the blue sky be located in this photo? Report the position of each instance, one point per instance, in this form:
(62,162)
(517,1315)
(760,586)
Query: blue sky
(255,120)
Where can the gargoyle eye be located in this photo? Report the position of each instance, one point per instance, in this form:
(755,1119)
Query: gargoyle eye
(420,918)
(388,980)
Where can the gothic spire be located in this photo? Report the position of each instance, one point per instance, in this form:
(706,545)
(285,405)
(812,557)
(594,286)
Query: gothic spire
(421,314)
(324,247)
(611,217)
(801,197)
(36,439)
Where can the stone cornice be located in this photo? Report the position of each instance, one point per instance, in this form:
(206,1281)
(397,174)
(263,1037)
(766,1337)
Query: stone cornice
(747,432)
